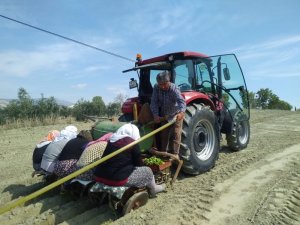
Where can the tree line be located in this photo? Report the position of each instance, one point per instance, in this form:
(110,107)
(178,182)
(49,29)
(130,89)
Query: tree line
(266,99)
(26,108)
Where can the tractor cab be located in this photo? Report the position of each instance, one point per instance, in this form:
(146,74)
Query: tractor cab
(217,81)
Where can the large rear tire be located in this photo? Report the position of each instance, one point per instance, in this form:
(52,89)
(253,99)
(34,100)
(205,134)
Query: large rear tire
(200,139)
(239,138)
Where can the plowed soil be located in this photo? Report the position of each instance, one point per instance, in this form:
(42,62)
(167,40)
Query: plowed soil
(258,185)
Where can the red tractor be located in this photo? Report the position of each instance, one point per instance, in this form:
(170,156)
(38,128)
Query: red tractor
(217,101)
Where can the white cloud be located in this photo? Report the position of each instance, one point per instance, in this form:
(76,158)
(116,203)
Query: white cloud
(163,26)
(111,92)
(23,63)
(161,40)
(273,58)
(97,68)
(19,63)
(288,47)
(275,72)
(79,86)
(286,41)
(117,89)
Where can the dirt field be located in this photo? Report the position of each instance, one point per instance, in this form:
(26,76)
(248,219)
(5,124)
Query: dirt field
(259,185)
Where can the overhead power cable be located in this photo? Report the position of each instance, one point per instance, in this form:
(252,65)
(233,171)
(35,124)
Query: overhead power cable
(66,38)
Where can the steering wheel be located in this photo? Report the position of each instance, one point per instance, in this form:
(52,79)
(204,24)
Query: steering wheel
(184,86)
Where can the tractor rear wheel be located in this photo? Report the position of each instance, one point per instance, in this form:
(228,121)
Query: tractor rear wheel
(200,139)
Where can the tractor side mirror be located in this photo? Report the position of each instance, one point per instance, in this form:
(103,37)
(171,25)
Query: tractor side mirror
(132,83)
(226,73)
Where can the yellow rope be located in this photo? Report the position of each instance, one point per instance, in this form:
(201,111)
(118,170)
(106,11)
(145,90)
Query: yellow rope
(43,190)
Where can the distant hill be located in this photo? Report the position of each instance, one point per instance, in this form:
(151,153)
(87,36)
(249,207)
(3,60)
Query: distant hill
(5,102)
(64,102)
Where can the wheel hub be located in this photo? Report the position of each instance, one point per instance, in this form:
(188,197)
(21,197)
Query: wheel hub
(200,138)
(204,140)
(243,134)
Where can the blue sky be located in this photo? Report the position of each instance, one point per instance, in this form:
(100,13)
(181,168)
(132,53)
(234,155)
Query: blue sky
(265,36)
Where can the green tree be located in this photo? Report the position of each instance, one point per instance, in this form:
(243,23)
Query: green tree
(252,100)
(264,96)
(113,109)
(52,106)
(65,111)
(98,106)
(2,116)
(267,100)
(23,108)
(23,95)
(13,110)
(26,104)
(46,107)
(82,108)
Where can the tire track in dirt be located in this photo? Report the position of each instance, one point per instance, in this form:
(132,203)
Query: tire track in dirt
(53,210)
(191,200)
(16,168)
(189,192)
(281,204)
(239,193)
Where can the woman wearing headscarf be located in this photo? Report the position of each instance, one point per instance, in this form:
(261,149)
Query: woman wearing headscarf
(91,153)
(41,148)
(54,148)
(126,168)
(66,161)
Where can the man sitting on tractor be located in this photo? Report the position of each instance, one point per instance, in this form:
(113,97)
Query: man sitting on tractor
(167,103)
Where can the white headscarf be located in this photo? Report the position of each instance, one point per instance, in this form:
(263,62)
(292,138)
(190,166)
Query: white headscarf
(69,133)
(127,130)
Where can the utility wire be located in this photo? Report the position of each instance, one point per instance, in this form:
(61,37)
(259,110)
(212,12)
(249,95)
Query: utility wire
(69,39)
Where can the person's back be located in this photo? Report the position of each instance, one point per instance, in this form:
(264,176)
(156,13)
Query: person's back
(52,152)
(120,166)
(67,159)
(37,156)
(41,147)
(54,149)
(73,149)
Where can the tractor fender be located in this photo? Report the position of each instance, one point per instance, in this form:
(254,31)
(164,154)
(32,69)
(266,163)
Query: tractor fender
(127,106)
(197,97)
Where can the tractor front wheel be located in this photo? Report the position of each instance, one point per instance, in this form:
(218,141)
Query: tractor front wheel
(200,139)
(239,137)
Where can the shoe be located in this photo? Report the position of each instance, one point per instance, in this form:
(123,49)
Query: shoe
(152,194)
(158,189)
(163,188)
